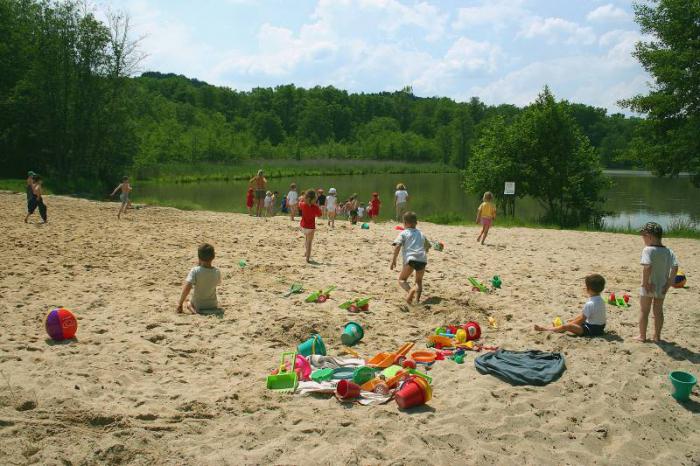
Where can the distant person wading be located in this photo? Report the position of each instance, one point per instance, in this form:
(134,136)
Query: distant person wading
(259,184)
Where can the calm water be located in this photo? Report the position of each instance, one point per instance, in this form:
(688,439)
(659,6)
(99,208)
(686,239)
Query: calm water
(634,198)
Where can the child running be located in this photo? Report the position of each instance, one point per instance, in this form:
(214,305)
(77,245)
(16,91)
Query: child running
(331,206)
(485,216)
(309,211)
(374,205)
(591,321)
(658,274)
(414,245)
(292,199)
(125,188)
(204,278)
(249,201)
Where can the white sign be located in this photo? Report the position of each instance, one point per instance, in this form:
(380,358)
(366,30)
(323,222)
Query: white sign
(510,188)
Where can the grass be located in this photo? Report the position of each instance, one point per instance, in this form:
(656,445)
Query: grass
(17,186)
(181,204)
(192,173)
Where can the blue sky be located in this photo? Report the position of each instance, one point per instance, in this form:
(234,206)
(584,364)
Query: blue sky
(503,51)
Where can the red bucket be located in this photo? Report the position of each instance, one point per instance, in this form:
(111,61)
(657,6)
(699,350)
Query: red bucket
(411,394)
(347,390)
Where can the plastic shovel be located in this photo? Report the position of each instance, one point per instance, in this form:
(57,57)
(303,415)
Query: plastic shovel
(284,380)
(478,285)
(294,289)
(384,360)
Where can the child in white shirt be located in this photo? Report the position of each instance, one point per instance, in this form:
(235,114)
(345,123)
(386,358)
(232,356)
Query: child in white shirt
(331,206)
(415,246)
(292,200)
(591,321)
(204,278)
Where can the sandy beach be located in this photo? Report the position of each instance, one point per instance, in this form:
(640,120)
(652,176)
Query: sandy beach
(144,385)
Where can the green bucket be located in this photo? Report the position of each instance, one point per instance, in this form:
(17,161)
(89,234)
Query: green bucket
(352,333)
(682,384)
(362,374)
(313,345)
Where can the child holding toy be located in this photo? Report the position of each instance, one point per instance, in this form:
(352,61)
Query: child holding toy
(591,321)
(659,271)
(292,198)
(249,201)
(414,246)
(331,206)
(204,278)
(309,211)
(485,216)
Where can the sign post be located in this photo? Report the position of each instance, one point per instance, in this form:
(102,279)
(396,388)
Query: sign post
(509,192)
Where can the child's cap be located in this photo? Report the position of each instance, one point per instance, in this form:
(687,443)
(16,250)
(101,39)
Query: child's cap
(652,228)
(331,191)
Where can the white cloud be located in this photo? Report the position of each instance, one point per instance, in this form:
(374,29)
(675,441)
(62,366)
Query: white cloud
(493,13)
(620,45)
(556,30)
(607,12)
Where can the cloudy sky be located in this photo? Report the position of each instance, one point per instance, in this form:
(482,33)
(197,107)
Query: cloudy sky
(503,51)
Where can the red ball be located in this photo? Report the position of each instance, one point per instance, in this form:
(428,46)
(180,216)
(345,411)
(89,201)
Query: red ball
(409,364)
(473,330)
(61,324)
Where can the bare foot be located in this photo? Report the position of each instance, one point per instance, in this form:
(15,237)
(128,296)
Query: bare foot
(191,308)
(640,339)
(410,296)
(539,328)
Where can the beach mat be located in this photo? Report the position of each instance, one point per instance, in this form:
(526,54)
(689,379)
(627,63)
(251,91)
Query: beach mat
(531,367)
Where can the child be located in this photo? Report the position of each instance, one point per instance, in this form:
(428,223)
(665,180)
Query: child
(125,188)
(331,205)
(204,278)
(658,274)
(352,207)
(485,216)
(249,201)
(37,200)
(309,211)
(321,201)
(275,196)
(268,204)
(415,247)
(400,200)
(591,322)
(374,206)
(292,198)
(361,211)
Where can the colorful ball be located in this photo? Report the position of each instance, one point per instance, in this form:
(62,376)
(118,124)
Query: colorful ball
(61,324)
(680,280)
(473,330)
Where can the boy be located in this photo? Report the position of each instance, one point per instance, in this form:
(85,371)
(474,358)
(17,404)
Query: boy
(591,322)
(204,278)
(414,245)
(125,188)
(31,198)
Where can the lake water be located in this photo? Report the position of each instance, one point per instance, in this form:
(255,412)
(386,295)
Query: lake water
(634,199)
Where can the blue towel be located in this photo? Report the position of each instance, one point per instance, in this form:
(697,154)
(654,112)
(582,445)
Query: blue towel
(522,367)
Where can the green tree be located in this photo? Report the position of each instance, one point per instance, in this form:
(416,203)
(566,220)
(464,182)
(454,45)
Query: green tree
(669,140)
(267,127)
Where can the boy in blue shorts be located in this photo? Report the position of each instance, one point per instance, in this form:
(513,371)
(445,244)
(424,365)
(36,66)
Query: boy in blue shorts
(591,322)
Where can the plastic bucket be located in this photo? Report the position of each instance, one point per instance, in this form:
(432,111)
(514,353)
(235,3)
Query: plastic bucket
(362,374)
(313,345)
(682,384)
(347,390)
(411,394)
(352,333)
(303,366)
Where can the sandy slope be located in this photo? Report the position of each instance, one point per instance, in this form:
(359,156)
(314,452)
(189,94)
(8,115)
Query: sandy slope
(144,385)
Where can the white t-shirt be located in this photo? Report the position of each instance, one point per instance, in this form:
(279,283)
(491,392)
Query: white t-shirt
(204,280)
(412,243)
(360,212)
(661,260)
(331,201)
(401,196)
(268,201)
(594,310)
(292,197)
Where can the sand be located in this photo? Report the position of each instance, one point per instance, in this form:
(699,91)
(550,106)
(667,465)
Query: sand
(144,385)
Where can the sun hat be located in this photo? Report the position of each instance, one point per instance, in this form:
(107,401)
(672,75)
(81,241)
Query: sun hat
(652,228)
(331,191)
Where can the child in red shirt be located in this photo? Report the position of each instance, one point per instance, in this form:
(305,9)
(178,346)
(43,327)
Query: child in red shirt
(309,211)
(249,201)
(374,206)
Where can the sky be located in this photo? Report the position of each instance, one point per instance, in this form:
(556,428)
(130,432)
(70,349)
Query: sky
(502,51)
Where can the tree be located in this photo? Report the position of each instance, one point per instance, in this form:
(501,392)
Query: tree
(668,141)
(545,152)
(268,127)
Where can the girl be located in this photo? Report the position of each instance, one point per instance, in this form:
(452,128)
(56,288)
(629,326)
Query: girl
(292,198)
(309,211)
(400,201)
(331,205)
(485,216)
(374,206)
(125,188)
(249,201)
(659,271)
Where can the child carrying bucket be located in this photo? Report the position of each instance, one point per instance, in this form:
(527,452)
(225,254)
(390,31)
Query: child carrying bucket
(413,243)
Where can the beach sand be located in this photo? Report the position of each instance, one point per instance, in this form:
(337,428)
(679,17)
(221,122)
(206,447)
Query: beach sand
(144,385)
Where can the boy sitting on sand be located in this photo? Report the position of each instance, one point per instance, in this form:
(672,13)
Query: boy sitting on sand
(415,256)
(204,278)
(591,322)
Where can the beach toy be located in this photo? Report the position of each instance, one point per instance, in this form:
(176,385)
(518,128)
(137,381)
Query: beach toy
(294,289)
(391,371)
(424,357)
(362,375)
(619,302)
(322,375)
(459,358)
(438,245)
(352,352)
(496,282)
(679,280)
(286,378)
(477,285)
(682,384)
(440,330)
(384,360)
(61,324)
(303,367)
(347,390)
(365,226)
(242,263)
(399,228)
(313,345)
(461,335)
(420,374)
(316,296)
(473,330)
(412,393)
(381,385)
(408,364)
(626,298)
(556,322)
(441,340)
(343,373)
(611,298)
(452,329)
(363,304)
(352,333)
(356,305)
(492,322)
